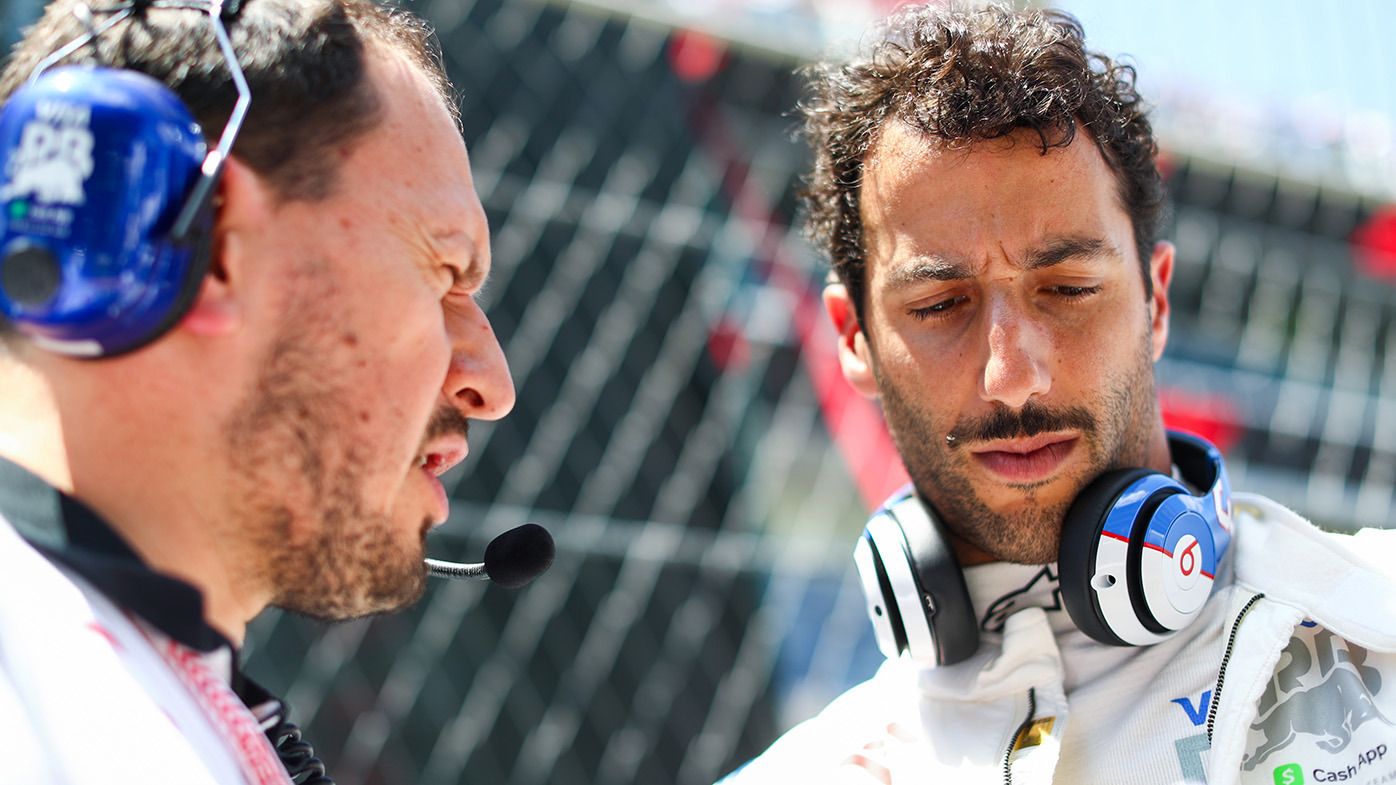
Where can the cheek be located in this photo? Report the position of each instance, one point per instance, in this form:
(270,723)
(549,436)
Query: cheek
(1100,351)
(394,374)
(409,377)
(936,365)
(403,330)
(928,383)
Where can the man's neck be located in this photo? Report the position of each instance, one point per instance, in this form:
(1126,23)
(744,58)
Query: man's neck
(147,489)
(967,553)
(31,434)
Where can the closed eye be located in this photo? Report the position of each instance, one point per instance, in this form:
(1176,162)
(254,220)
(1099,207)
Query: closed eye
(1074,292)
(937,309)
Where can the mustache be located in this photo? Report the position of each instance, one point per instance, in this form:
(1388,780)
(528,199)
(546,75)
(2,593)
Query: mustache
(1032,419)
(445,421)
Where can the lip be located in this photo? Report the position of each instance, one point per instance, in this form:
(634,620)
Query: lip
(440,505)
(444,453)
(440,455)
(1025,460)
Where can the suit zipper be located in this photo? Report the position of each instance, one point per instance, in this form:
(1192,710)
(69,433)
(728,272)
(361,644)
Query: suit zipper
(1013,742)
(1226,660)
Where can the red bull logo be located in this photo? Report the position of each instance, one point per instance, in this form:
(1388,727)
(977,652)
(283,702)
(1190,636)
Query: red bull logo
(1322,692)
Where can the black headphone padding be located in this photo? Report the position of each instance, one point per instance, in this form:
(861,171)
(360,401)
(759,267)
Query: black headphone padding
(1077,552)
(889,604)
(954,628)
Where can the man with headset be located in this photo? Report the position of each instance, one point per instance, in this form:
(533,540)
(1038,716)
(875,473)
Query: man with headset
(1066,592)
(230,377)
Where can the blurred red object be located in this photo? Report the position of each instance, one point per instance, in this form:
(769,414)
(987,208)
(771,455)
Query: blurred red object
(696,57)
(1374,244)
(1213,417)
(727,345)
(1167,165)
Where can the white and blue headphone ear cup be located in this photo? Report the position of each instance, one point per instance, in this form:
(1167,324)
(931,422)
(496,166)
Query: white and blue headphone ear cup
(888,629)
(1093,567)
(1140,551)
(917,599)
(947,609)
(1178,560)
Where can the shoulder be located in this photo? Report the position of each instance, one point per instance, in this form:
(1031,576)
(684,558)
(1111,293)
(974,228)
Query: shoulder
(1377,546)
(66,683)
(845,741)
(24,758)
(1346,582)
(1265,524)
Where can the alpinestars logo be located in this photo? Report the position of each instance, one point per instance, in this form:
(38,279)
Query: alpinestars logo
(54,156)
(1323,691)
(1042,591)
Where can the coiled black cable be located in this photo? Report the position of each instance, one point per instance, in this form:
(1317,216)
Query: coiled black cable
(296,754)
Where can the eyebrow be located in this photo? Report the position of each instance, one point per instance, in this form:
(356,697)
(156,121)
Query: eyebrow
(932,268)
(1053,252)
(1062,249)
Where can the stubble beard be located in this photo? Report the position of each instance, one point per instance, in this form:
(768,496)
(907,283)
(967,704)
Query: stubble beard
(1115,435)
(316,543)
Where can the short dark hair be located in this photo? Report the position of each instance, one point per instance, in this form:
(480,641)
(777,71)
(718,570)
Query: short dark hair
(304,61)
(965,76)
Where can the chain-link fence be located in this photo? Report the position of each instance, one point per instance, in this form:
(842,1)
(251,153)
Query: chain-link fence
(1288,328)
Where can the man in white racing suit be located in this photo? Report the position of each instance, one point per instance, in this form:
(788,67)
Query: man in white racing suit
(1286,673)
(988,193)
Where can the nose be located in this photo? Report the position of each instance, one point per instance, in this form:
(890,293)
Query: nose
(478,382)
(1017,367)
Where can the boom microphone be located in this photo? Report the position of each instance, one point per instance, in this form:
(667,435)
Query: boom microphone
(511,560)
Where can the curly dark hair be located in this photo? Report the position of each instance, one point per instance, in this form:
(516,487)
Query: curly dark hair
(964,76)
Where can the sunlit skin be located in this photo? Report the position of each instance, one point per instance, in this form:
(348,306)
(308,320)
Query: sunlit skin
(281,445)
(1006,308)
(380,293)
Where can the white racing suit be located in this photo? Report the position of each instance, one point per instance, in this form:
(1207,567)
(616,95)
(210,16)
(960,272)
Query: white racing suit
(1288,676)
(86,695)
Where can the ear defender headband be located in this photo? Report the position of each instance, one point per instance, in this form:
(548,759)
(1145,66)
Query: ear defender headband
(1138,558)
(105,185)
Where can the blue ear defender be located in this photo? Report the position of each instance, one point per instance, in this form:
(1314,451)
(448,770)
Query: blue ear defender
(105,185)
(1138,558)
(96,163)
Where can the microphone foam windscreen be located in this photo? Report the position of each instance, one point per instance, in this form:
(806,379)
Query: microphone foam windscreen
(519,555)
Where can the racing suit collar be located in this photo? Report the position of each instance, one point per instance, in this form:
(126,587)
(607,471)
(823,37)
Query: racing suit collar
(68,532)
(1000,589)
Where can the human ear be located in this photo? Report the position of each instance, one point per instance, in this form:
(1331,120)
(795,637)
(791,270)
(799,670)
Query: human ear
(242,203)
(855,357)
(1161,271)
